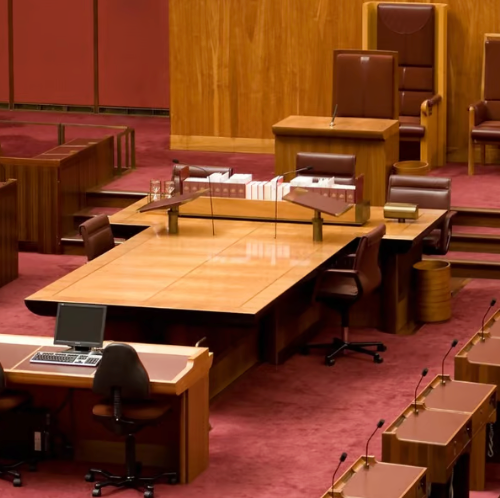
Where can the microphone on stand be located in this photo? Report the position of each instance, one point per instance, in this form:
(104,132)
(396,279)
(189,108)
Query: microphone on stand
(307,168)
(176,161)
(492,303)
(341,461)
(425,371)
(453,344)
(334,115)
(381,422)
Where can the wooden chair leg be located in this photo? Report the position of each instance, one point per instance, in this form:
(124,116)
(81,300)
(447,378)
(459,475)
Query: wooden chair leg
(483,155)
(471,157)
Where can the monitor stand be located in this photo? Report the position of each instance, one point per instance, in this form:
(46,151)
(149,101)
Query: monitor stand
(79,350)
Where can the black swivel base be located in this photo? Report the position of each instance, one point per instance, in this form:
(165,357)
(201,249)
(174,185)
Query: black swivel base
(133,479)
(8,472)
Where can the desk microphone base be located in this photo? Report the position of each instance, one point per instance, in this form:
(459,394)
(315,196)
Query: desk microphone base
(317,223)
(173,221)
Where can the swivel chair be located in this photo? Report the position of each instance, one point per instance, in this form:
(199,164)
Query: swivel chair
(341,288)
(10,401)
(127,408)
(97,236)
(341,166)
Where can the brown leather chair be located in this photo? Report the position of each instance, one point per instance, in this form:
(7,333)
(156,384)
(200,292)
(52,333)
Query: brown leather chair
(412,30)
(341,166)
(196,172)
(127,408)
(365,84)
(10,401)
(484,116)
(341,288)
(427,192)
(97,236)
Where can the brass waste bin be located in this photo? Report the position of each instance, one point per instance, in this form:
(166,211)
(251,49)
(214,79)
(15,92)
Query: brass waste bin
(413,168)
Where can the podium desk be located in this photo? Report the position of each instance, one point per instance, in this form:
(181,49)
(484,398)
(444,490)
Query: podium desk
(477,400)
(380,480)
(179,375)
(9,255)
(437,440)
(374,142)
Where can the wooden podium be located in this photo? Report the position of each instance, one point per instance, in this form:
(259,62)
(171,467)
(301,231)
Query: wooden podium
(477,400)
(437,440)
(380,479)
(374,142)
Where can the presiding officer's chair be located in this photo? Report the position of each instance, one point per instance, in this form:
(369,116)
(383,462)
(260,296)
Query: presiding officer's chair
(127,408)
(10,401)
(341,288)
(97,236)
(426,192)
(341,166)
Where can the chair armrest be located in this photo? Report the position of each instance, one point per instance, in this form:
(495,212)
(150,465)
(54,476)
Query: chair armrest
(328,278)
(427,105)
(480,112)
(444,242)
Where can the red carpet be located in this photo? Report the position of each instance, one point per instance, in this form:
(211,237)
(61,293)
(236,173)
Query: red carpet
(277,431)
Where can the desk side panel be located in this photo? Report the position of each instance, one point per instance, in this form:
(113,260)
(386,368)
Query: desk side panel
(9,259)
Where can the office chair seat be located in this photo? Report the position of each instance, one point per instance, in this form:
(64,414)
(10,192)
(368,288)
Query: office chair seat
(344,289)
(141,410)
(9,401)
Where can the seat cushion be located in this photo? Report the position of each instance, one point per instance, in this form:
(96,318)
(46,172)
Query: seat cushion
(338,289)
(145,410)
(487,131)
(410,127)
(9,401)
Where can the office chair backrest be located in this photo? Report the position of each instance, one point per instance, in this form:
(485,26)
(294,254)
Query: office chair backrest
(121,370)
(97,236)
(341,166)
(428,192)
(367,260)
(201,171)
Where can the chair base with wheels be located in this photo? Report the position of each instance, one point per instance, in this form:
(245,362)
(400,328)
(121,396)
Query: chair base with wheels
(9,472)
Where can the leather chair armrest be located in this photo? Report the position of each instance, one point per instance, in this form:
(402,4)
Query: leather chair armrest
(427,105)
(329,277)
(446,230)
(480,112)
(345,262)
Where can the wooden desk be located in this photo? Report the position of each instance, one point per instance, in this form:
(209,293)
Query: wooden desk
(437,440)
(477,400)
(380,479)
(9,257)
(52,188)
(180,373)
(374,142)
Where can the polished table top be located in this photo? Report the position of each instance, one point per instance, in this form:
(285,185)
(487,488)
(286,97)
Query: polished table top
(171,369)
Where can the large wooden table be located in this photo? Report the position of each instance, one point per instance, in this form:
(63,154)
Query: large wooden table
(248,293)
(374,142)
(178,373)
(9,256)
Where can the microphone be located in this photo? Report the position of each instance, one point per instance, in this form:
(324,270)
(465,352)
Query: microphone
(341,461)
(492,303)
(307,168)
(334,115)
(453,344)
(381,422)
(176,161)
(425,371)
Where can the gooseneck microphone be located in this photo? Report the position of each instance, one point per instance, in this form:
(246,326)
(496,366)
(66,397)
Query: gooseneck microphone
(176,161)
(307,168)
(425,371)
(381,422)
(334,115)
(341,461)
(453,344)
(492,303)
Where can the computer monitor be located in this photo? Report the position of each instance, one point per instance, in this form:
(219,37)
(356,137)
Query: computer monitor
(80,326)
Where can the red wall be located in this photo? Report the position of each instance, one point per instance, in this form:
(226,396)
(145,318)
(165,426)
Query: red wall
(53,51)
(133,53)
(4,51)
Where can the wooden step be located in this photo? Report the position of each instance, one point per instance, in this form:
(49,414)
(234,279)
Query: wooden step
(461,268)
(466,242)
(479,217)
(112,198)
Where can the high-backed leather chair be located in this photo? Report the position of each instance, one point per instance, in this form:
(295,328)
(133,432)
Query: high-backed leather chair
(484,116)
(427,192)
(341,288)
(341,166)
(127,408)
(97,236)
(418,33)
(196,172)
(10,401)
(365,84)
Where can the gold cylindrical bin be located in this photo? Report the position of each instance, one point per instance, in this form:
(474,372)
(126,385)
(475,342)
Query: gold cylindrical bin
(413,168)
(433,291)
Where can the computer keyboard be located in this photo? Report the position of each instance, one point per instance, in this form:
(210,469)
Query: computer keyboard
(64,358)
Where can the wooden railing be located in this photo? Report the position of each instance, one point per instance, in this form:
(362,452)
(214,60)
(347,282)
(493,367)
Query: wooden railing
(125,140)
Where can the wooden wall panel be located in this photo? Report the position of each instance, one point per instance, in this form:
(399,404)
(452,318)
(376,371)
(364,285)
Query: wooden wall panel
(9,257)
(240,66)
(4,51)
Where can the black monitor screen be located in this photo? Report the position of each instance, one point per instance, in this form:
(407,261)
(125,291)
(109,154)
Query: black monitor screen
(80,325)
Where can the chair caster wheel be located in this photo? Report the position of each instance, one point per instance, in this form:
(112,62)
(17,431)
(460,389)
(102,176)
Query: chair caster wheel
(149,493)
(381,348)
(304,350)
(378,359)
(17,483)
(173,480)
(329,362)
(96,492)
(89,477)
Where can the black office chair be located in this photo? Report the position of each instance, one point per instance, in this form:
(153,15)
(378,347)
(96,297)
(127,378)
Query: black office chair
(10,401)
(123,380)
